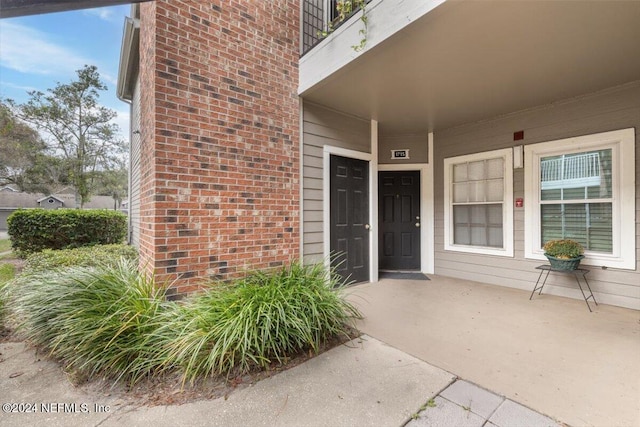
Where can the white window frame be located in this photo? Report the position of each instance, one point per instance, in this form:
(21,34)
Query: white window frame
(507,203)
(622,144)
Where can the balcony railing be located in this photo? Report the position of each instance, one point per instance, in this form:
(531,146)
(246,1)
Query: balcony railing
(316,17)
(575,171)
(313,23)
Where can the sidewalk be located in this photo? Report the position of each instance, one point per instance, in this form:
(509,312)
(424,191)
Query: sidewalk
(362,383)
(463,404)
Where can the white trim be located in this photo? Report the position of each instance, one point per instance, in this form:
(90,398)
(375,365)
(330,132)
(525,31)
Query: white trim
(622,143)
(301,175)
(430,211)
(425,202)
(327,151)
(128,63)
(507,203)
(373,204)
(427,209)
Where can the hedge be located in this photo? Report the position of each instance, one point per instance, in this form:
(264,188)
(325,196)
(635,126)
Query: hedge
(33,230)
(93,256)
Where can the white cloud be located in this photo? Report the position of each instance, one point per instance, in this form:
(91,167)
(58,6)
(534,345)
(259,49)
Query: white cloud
(19,87)
(27,50)
(104,13)
(107,77)
(122,120)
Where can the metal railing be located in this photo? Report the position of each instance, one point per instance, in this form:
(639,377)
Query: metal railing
(313,23)
(316,18)
(581,170)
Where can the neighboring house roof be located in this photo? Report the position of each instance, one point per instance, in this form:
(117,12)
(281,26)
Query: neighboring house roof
(8,188)
(15,200)
(49,197)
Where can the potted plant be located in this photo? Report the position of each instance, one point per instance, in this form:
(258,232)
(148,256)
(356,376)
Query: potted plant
(564,254)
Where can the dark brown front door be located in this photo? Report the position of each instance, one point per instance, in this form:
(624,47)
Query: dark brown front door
(399,217)
(349,204)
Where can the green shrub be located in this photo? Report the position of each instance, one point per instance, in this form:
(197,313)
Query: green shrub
(32,230)
(95,320)
(264,318)
(91,256)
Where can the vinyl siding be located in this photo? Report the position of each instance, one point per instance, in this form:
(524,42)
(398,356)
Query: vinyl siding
(616,108)
(134,185)
(322,127)
(417,144)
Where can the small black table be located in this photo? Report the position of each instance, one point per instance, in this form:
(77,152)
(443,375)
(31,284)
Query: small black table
(577,273)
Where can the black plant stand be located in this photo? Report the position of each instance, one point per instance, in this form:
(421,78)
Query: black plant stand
(577,273)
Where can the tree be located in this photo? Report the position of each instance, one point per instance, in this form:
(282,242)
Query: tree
(113,183)
(76,128)
(21,153)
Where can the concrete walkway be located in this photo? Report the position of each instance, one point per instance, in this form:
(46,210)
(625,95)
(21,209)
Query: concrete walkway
(463,404)
(549,354)
(362,383)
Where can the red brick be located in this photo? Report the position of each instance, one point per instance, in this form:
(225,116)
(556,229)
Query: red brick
(220,138)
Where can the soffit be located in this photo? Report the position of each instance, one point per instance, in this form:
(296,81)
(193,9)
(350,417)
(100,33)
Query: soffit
(469,61)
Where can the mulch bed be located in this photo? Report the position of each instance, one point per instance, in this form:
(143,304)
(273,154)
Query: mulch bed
(169,388)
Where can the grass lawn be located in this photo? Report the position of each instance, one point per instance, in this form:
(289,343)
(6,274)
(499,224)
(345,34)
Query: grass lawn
(5,245)
(7,272)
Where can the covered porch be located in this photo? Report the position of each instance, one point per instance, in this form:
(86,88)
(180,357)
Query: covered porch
(550,354)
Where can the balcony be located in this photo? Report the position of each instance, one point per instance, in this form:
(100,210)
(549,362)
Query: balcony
(322,56)
(430,65)
(577,171)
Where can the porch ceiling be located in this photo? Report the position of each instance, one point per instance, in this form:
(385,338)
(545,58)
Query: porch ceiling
(468,61)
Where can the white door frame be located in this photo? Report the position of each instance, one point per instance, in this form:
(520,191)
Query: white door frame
(327,151)
(426,206)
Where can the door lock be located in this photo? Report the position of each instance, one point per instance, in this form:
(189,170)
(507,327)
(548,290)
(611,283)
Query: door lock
(418,224)
(367,226)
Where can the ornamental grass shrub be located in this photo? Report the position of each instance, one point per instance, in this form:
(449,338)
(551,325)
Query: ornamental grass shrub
(112,321)
(7,272)
(266,317)
(97,321)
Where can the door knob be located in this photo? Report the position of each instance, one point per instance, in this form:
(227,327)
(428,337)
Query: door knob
(367,226)
(418,224)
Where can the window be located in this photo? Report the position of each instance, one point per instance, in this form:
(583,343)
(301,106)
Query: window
(478,198)
(583,189)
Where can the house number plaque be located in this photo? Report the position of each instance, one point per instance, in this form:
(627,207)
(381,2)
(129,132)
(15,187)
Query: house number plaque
(399,154)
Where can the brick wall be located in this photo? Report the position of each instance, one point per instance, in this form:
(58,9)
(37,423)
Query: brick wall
(220,130)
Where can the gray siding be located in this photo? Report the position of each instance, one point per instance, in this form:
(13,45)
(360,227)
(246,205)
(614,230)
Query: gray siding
(613,109)
(322,127)
(418,146)
(134,183)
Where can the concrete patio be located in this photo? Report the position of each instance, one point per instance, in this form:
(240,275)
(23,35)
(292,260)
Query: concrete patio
(550,354)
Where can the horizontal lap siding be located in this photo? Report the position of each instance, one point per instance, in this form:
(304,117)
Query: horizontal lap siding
(323,127)
(134,186)
(613,109)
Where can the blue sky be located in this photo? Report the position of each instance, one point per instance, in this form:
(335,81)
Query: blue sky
(37,52)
